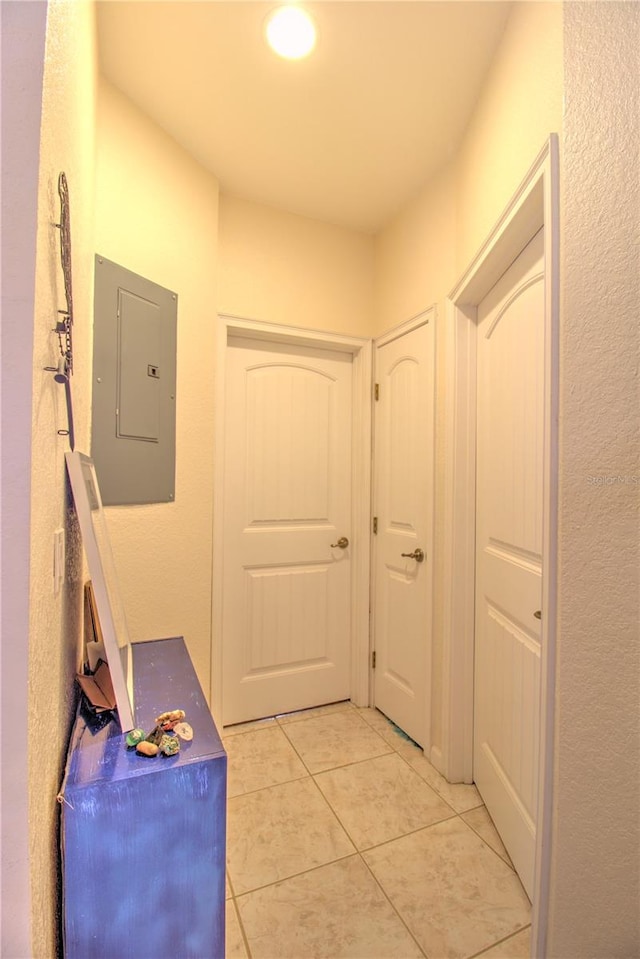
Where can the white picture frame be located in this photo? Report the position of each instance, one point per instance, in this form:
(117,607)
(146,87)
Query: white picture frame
(97,548)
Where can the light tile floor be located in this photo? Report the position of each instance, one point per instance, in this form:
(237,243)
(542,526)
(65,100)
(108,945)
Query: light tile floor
(344,841)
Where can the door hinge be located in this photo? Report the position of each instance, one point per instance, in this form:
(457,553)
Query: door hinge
(376,391)
(375,525)
(373,659)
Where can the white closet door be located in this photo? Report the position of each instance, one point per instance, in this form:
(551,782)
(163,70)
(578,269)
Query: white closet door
(404,506)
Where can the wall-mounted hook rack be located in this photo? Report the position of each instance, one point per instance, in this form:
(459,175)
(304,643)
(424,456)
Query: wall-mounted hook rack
(63,371)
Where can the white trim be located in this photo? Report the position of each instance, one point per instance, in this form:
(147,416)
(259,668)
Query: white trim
(542,876)
(219,366)
(298,336)
(426,317)
(435,757)
(534,206)
(360,349)
(361,509)
(459,547)
(395,332)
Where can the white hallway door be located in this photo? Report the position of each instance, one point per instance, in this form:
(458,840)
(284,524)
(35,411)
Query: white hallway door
(287,514)
(403,505)
(509,524)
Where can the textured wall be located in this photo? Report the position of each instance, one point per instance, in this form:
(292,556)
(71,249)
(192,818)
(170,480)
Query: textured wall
(67,143)
(157,214)
(595,895)
(425,249)
(23,40)
(282,268)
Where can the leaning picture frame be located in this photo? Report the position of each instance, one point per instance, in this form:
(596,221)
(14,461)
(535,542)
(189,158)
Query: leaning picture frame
(97,548)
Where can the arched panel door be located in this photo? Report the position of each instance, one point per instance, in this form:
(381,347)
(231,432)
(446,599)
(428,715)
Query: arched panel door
(287,514)
(404,512)
(509,497)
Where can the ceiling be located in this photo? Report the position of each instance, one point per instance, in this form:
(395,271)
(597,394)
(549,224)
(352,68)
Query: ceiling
(347,135)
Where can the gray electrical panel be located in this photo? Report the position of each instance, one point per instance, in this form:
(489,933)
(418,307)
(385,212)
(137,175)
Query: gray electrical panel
(133,425)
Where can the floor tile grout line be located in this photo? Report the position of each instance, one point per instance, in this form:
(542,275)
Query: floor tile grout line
(411,832)
(284,782)
(336,816)
(478,834)
(353,762)
(437,791)
(277,719)
(386,896)
(337,712)
(342,706)
(318,771)
(499,942)
(296,875)
(387,842)
(227,876)
(296,751)
(243,931)
(391,752)
(452,813)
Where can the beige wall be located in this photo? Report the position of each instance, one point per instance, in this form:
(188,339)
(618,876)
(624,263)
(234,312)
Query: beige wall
(67,143)
(520,104)
(426,248)
(595,891)
(157,215)
(282,268)
(428,245)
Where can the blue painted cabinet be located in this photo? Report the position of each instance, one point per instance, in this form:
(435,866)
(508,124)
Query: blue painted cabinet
(143,839)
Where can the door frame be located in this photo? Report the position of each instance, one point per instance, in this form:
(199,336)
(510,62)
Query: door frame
(535,205)
(428,318)
(360,349)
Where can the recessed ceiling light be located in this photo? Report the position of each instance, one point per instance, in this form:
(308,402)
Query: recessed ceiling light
(291,32)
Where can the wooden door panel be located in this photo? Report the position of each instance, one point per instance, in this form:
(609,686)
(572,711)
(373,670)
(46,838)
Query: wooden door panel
(401,390)
(289,421)
(399,663)
(511,657)
(509,552)
(286,617)
(403,505)
(512,406)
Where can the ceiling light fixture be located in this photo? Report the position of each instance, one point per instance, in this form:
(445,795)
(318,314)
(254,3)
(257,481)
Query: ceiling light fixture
(291,33)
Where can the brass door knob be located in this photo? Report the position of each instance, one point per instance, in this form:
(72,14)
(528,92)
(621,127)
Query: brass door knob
(342,543)
(418,555)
